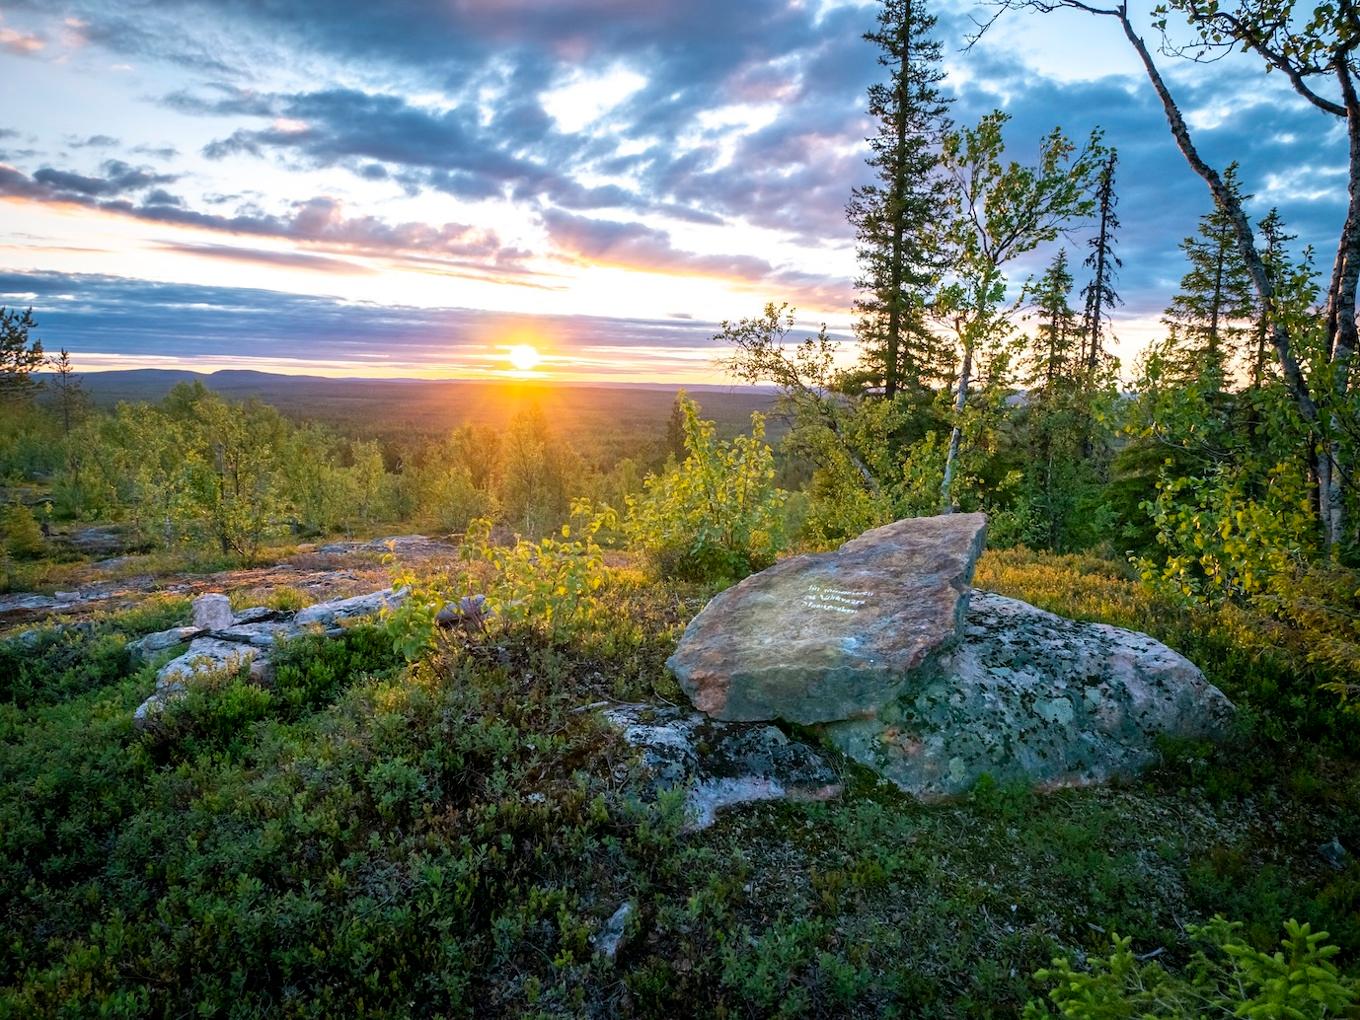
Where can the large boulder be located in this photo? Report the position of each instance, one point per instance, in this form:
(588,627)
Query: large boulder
(836,635)
(1027,696)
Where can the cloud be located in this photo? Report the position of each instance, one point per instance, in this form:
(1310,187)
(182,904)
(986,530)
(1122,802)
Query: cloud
(265,257)
(319,221)
(22,44)
(119,178)
(739,113)
(125,318)
(640,247)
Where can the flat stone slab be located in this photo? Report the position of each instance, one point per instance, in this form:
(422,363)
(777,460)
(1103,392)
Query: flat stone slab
(1031,697)
(720,765)
(261,635)
(836,635)
(327,613)
(148,645)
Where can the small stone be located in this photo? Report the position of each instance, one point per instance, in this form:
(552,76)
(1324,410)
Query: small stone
(470,611)
(258,614)
(1335,854)
(609,939)
(720,765)
(835,635)
(212,611)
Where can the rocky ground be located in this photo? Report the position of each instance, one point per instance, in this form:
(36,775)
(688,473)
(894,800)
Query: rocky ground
(319,572)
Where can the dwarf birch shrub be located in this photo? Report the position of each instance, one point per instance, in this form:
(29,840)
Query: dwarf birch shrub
(552,586)
(716,516)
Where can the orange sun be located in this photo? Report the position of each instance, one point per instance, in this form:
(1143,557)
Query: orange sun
(524,358)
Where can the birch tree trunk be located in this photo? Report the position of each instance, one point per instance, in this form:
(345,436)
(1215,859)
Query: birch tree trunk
(956,436)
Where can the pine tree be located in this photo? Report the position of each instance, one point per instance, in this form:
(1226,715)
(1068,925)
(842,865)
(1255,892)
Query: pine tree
(20,356)
(23,537)
(1099,294)
(893,215)
(1213,314)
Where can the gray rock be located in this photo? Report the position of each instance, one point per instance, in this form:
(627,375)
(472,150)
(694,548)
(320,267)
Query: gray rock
(1032,697)
(609,939)
(149,711)
(212,611)
(470,612)
(148,645)
(720,765)
(1335,854)
(259,614)
(245,640)
(205,655)
(327,613)
(261,635)
(833,635)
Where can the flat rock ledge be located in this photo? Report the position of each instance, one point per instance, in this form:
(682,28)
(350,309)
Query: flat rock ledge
(719,765)
(830,636)
(1027,696)
(220,640)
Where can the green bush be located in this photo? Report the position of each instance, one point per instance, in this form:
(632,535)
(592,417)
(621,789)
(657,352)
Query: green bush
(718,515)
(54,663)
(1226,977)
(23,537)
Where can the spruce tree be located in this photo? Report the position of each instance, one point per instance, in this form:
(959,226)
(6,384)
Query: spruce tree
(1099,294)
(1057,476)
(71,399)
(1213,314)
(1275,255)
(893,216)
(1051,361)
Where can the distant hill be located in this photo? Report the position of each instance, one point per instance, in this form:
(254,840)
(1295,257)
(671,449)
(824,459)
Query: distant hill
(590,414)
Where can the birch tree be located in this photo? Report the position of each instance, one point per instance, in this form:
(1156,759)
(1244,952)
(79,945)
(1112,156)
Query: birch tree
(999,211)
(1316,52)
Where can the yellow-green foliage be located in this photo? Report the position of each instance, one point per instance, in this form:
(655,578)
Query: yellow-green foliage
(718,514)
(552,586)
(1220,541)
(1226,978)
(23,538)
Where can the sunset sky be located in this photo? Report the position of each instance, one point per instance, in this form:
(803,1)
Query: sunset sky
(415,188)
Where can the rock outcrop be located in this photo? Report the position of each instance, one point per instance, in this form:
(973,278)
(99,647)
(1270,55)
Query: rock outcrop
(880,646)
(719,765)
(1027,696)
(220,640)
(832,636)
